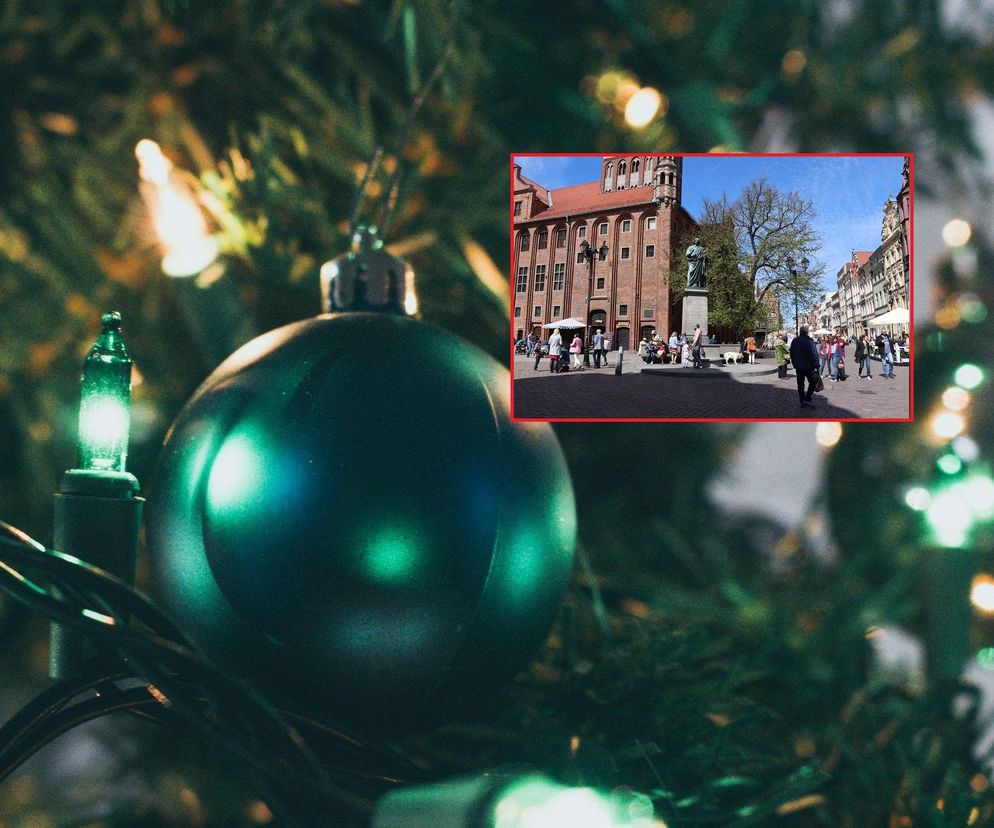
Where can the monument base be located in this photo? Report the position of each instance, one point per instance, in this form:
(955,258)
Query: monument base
(695,311)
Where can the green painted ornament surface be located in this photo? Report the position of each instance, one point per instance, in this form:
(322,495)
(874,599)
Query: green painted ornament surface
(345,512)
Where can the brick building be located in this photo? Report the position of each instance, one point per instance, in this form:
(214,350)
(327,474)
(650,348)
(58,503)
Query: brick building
(635,208)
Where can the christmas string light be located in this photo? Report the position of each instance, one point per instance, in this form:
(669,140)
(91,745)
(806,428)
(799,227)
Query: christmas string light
(97,508)
(208,299)
(105,408)
(178,686)
(177,217)
(495,801)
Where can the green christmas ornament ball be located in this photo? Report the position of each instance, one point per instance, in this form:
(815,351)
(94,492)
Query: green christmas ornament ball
(345,513)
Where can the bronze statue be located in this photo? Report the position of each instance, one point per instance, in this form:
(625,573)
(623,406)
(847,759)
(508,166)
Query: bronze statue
(696,265)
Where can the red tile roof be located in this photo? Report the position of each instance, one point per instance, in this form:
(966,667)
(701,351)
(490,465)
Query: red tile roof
(862,257)
(588,198)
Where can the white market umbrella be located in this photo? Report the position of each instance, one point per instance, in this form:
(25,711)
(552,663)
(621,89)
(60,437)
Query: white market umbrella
(568,324)
(821,331)
(897,316)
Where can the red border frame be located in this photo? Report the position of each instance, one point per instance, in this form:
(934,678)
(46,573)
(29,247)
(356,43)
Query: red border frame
(911,277)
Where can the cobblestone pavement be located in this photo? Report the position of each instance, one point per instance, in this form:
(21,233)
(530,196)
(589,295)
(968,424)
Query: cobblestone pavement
(599,393)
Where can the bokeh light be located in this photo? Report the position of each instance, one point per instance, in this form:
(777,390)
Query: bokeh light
(965,448)
(955,398)
(949,518)
(947,425)
(968,376)
(828,434)
(982,593)
(949,464)
(956,233)
(918,498)
(642,107)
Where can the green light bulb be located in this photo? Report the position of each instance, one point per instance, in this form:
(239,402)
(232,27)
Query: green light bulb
(537,802)
(105,408)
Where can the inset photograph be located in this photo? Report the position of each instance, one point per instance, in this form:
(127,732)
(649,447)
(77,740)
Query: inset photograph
(712,287)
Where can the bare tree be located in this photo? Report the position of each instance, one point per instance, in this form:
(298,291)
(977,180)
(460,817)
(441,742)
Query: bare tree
(770,228)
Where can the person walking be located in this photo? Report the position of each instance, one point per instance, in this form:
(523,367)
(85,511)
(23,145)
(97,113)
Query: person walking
(886,356)
(598,343)
(575,349)
(605,347)
(804,356)
(555,350)
(782,354)
(695,348)
(863,356)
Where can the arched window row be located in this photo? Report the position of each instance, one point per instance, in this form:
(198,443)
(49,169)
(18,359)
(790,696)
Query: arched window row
(633,172)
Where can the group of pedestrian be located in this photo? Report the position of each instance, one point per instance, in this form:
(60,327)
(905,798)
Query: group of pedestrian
(811,360)
(832,357)
(679,348)
(557,350)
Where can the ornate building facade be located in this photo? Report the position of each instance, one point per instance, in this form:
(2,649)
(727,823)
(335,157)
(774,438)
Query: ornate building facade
(904,220)
(635,208)
(871,283)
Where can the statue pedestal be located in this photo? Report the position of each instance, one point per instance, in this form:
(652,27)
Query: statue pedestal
(695,311)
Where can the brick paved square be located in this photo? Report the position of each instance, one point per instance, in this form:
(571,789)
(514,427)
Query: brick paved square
(600,394)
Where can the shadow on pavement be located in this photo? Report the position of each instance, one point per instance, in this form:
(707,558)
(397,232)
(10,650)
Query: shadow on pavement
(647,397)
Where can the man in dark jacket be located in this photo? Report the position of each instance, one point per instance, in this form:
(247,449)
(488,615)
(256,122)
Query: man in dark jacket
(804,356)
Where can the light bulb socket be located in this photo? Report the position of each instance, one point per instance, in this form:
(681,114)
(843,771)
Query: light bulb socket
(98,520)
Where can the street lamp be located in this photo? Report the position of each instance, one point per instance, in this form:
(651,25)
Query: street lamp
(793,280)
(590,254)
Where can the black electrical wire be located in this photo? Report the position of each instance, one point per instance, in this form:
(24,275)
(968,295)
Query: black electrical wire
(64,720)
(178,682)
(50,701)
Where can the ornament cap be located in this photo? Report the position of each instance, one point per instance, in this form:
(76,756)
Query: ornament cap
(368,278)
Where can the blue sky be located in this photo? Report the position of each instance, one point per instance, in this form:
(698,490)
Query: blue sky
(848,192)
